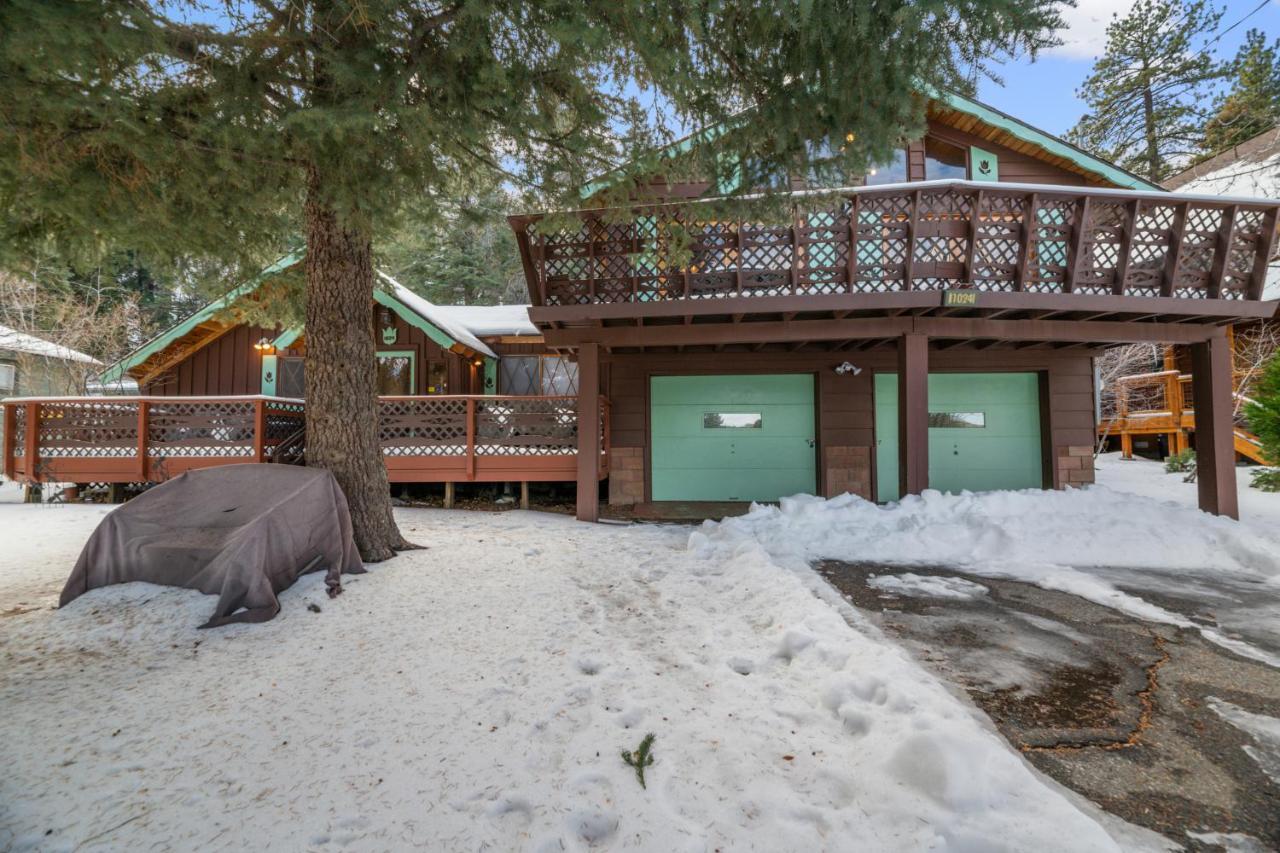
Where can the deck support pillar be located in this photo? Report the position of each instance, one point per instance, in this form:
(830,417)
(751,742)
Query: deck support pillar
(1126,445)
(589,432)
(524,494)
(913,414)
(448,495)
(1215,430)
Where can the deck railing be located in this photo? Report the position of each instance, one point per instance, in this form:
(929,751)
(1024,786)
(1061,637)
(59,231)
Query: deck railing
(929,236)
(424,439)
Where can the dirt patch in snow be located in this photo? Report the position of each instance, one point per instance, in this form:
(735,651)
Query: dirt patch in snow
(1121,710)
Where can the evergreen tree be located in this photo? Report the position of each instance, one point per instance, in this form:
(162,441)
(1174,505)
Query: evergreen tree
(1147,91)
(1252,105)
(220,130)
(1263,416)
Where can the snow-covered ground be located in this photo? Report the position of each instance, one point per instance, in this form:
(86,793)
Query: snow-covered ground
(478,694)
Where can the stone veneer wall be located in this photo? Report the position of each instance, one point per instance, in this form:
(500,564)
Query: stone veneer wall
(848,469)
(1075,465)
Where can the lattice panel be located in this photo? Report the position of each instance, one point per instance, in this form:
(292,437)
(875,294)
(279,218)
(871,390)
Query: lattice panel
(424,426)
(82,428)
(871,241)
(201,428)
(526,427)
(19,430)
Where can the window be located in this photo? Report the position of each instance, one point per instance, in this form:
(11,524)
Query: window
(395,374)
(8,378)
(437,377)
(895,172)
(944,160)
(291,379)
(732,420)
(957,420)
(525,376)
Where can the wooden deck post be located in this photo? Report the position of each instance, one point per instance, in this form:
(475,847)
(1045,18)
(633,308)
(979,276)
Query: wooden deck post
(1126,445)
(1215,432)
(524,494)
(144,415)
(471,438)
(259,430)
(913,414)
(448,495)
(589,432)
(10,424)
(32,449)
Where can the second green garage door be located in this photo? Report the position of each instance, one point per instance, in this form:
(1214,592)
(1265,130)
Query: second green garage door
(731,438)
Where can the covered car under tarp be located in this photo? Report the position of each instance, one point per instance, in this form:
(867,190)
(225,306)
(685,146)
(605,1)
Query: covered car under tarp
(240,532)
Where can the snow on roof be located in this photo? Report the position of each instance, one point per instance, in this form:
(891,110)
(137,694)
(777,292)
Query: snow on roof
(1251,168)
(485,320)
(433,314)
(12,339)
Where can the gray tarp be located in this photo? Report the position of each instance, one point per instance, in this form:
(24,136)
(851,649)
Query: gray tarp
(240,532)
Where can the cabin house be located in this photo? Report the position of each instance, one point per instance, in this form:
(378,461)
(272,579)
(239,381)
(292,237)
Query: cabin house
(931,324)
(1151,410)
(32,366)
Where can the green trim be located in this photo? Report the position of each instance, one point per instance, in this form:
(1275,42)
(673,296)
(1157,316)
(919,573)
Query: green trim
(288,337)
(270,375)
(1050,143)
(116,371)
(978,156)
(404,312)
(413,364)
(490,375)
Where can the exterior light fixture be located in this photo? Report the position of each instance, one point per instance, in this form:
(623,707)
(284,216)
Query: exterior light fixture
(846,367)
(264,346)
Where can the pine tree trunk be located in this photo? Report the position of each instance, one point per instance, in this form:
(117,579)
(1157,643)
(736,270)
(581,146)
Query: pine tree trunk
(1153,147)
(342,427)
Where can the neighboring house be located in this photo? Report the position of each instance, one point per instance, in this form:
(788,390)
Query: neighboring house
(932,324)
(1151,409)
(34,367)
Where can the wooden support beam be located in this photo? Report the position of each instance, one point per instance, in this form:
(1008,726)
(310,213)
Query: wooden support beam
(1173,256)
(1030,221)
(1222,251)
(31,451)
(524,494)
(9,447)
(448,495)
(588,432)
(1262,255)
(1078,244)
(913,414)
(1215,432)
(1126,241)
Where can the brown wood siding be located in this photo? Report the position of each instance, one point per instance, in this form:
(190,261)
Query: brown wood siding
(426,350)
(845,405)
(226,366)
(1015,167)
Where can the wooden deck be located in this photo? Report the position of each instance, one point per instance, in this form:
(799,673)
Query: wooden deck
(441,439)
(1161,403)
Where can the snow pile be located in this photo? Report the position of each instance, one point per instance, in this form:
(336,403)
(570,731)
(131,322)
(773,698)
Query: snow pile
(927,586)
(1049,538)
(477,695)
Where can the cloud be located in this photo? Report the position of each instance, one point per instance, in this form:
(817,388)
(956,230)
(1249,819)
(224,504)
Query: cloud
(1085,35)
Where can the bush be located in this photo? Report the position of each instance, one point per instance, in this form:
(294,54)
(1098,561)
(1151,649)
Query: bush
(1266,479)
(1263,413)
(1180,462)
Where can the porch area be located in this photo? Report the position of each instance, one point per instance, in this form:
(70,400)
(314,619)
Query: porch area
(438,439)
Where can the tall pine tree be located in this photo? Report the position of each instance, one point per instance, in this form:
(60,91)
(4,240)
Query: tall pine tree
(221,129)
(1252,104)
(1147,92)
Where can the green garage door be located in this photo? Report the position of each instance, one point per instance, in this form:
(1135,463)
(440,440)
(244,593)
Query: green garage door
(984,432)
(731,438)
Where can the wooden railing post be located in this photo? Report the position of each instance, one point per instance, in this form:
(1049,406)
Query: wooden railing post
(1261,256)
(259,430)
(10,425)
(1030,217)
(471,438)
(1077,245)
(1127,227)
(1222,251)
(909,262)
(144,427)
(852,260)
(32,450)
(1173,257)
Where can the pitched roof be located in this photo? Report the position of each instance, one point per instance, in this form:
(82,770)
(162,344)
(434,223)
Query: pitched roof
(489,320)
(15,341)
(433,314)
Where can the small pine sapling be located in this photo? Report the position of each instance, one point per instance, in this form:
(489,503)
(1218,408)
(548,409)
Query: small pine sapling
(642,757)
(1181,462)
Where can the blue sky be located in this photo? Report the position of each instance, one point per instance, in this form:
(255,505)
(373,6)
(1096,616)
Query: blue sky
(1043,92)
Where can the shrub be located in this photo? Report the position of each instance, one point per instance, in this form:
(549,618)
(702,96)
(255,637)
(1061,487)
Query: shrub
(1266,479)
(1180,462)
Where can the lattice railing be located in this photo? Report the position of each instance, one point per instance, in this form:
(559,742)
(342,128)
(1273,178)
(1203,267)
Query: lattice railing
(484,426)
(942,235)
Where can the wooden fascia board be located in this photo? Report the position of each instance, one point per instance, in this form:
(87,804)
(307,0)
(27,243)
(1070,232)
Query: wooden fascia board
(1095,332)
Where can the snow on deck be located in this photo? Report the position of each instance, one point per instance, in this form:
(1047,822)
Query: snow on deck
(477,694)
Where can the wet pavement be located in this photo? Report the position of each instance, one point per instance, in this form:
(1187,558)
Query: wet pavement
(1116,708)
